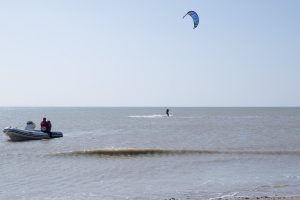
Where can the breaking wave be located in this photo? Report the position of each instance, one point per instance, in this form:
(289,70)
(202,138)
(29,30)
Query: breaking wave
(145,152)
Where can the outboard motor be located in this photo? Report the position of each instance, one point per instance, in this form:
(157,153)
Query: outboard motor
(30,125)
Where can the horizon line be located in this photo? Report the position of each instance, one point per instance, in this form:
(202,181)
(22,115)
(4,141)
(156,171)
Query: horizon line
(63,106)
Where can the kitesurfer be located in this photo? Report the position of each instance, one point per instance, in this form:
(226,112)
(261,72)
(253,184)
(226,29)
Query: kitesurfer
(167,112)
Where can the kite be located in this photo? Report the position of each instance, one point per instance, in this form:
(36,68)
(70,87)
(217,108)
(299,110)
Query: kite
(194,16)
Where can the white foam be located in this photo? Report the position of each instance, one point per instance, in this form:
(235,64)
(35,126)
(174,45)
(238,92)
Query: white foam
(149,116)
(227,196)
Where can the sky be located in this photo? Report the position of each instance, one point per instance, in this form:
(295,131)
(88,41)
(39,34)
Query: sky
(143,53)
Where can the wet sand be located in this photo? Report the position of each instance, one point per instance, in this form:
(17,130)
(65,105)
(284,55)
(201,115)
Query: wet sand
(267,198)
(252,198)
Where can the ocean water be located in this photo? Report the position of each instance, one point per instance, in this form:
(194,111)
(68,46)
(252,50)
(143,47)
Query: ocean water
(139,153)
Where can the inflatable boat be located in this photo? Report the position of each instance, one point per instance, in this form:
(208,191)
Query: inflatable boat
(29,133)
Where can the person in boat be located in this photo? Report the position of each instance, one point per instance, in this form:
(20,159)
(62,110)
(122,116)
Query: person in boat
(48,129)
(44,125)
(167,112)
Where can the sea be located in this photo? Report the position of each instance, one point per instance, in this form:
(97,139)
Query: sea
(124,153)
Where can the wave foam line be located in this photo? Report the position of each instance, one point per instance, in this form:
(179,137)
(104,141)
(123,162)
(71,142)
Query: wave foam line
(141,152)
(134,152)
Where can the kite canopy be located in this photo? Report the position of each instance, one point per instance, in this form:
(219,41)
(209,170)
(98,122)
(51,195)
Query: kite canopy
(195,17)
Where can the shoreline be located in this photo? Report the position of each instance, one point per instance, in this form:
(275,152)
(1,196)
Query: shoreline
(265,197)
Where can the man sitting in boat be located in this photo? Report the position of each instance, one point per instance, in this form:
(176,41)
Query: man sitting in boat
(48,129)
(44,125)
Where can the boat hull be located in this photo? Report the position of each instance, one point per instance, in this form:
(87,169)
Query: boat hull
(21,135)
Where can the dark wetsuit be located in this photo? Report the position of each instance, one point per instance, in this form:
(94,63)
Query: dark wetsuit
(48,130)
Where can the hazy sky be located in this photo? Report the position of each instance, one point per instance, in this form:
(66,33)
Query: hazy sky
(142,53)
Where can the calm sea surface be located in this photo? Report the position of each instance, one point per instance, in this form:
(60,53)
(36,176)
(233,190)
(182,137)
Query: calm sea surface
(228,151)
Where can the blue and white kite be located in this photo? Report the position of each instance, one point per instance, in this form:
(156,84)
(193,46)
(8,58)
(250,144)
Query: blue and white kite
(194,16)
